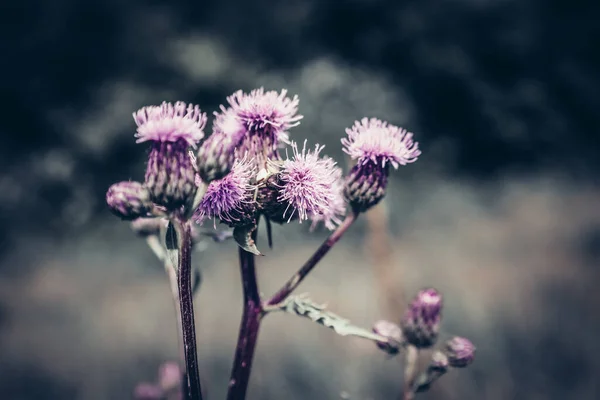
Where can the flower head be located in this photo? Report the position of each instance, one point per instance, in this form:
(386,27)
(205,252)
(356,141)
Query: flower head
(171,175)
(170,123)
(230,199)
(216,156)
(421,321)
(258,120)
(392,333)
(460,352)
(309,186)
(381,143)
(128,200)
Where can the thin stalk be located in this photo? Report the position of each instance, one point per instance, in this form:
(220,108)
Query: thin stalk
(410,371)
(299,276)
(186,306)
(249,328)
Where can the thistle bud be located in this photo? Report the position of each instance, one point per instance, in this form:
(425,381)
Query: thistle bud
(460,352)
(421,321)
(128,200)
(216,157)
(170,175)
(392,332)
(365,185)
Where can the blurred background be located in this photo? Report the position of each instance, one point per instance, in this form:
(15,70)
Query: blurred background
(500,213)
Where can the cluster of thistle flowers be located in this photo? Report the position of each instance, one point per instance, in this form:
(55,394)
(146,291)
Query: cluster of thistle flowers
(419,328)
(238,173)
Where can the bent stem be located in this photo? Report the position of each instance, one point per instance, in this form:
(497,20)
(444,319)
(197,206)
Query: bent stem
(186,307)
(299,276)
(249,328)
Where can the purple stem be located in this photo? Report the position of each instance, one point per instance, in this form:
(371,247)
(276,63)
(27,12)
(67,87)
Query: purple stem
(299,276)
(249,327)
(186,302)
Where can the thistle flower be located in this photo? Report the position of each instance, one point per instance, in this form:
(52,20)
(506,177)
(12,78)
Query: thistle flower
(230,199)
(421,321)
(375,145)
(170,175)
(308,186)
(216,156)
(392,332)
(170,123)
(376,141)
(128,200)
(259,121)
(460,352)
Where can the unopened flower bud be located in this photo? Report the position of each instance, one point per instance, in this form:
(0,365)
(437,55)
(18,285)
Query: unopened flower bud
(128,200)
(421,321)
(365,185)
(460,352)
(392,332)
(170,175)
(147,226)
(216,157)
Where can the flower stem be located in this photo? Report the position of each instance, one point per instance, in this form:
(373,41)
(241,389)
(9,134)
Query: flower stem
(249,328)
(410,371)
(299,276)
(186,306)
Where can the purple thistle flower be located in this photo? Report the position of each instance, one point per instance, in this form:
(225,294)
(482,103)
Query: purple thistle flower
(421,321)
(230,199)
(460,352)
(171,175)
(309,185)
(170,123)
(375,145)
(258,121)
(392,332)
(373,140)
(216,156)
(128,200)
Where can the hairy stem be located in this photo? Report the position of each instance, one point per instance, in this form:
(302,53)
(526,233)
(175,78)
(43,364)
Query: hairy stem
(186,306)
(249,327)
(299,276)
(410,370)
